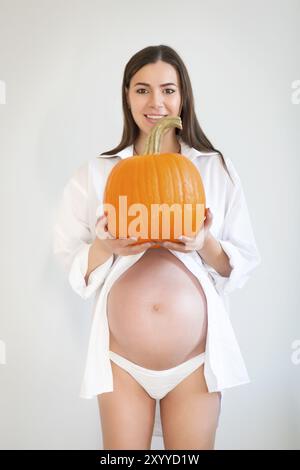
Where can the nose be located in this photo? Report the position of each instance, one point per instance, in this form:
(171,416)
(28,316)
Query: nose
(156,100)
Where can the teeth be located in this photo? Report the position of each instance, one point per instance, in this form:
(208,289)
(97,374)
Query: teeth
(154,117)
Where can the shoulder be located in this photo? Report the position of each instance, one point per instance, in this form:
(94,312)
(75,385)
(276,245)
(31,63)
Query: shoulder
(80,173)
(215,167)
(79,178)
(232,170)
(92,167)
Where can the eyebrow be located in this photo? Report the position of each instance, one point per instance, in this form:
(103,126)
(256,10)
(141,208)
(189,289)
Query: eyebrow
(147,84)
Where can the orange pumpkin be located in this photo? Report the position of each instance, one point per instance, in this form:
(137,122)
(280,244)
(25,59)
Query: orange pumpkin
(155,196)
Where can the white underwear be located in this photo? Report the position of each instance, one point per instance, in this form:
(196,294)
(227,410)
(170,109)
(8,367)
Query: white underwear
(158,383)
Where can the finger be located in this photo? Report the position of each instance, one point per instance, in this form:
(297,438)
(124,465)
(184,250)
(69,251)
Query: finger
(132,240)
(101,230)
(185,239)
(127,240)
(104,235)
(209,221)
(138,248)
(208,213)
(144,246)
(172,246)
(110,235)
(102,220)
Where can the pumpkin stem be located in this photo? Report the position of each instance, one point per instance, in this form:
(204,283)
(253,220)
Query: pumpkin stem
(153,141)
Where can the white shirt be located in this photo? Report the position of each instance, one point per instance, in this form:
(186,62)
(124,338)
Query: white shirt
(74,232)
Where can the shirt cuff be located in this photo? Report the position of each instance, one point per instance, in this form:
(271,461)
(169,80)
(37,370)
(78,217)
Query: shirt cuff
(78,271)
(237,277)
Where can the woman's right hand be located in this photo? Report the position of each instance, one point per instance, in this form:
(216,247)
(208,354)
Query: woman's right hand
(118,246)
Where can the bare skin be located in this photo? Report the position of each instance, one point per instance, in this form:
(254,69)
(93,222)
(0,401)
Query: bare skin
(163,321)
(190,414)
(126,414)
(161,325)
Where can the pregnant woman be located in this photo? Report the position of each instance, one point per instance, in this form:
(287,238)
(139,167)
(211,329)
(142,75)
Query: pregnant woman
(160,328)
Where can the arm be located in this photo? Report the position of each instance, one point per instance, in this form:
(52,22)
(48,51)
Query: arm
(213,254)
(231,257)
(97,256)
(85,265)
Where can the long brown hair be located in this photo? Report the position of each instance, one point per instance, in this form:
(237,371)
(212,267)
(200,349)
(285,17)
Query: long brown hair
(191,132)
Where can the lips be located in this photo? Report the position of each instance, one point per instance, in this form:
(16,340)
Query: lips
(154,120)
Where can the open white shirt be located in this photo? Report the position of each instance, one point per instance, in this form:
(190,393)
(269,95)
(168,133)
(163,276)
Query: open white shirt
(74,232)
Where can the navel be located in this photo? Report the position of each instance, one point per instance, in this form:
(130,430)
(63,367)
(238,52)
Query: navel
(156,307)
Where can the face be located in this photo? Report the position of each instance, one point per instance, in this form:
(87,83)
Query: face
(154,98)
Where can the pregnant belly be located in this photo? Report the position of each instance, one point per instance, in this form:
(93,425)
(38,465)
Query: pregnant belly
(157,312)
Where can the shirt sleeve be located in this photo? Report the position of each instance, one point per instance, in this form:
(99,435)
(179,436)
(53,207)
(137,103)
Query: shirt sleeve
(72,236)
(237,240)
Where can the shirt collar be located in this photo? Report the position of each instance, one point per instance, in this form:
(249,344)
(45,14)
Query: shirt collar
(189,152)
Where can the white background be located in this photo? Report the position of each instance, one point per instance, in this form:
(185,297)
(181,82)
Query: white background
(61,64)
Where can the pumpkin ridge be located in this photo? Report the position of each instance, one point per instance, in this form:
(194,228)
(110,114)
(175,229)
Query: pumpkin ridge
(157,178)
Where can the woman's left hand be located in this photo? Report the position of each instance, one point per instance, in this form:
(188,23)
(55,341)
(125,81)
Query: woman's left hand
(187,244)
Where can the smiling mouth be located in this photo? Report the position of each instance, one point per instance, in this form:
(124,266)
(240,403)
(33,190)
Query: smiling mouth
(155,119)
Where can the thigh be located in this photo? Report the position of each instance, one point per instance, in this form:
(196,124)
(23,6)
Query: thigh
(126,414)
(190,414)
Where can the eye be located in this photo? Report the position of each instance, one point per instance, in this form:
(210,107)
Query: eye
(143,89)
